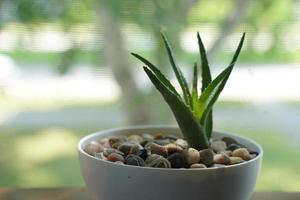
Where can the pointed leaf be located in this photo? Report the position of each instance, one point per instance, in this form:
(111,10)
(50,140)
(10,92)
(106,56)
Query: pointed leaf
(188,124)
(182,81)
(195,87)
(206,75)
(157,72)
(212,92)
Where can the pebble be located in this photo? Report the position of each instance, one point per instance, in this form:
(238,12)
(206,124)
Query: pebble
(105,142)
(171,137)
(100,156)
(182,143)
(158,149)
(148,137)
(113,157)
(157,161)
(119,162)
(218,146)
(218,165)
(134,160)
(135,148)
(206,157)
(108,151)
(125,147)
(93,147)
(197,165)
(177,160)
(232,147)
(227,153)
(162,141)
(235,160)
(242,153)
(192,156)
(114,140)
(158,136)
(221,159)
(143,153)
(173,148)
(229,141)
(135,139)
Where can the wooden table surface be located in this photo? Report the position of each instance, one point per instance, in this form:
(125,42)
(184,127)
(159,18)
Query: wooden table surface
(80,193)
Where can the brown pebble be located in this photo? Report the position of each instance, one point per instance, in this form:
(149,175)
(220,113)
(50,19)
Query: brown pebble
(108,151)
(135,139)
(227,153)
(125,147)
(242,153)
(158,136)
(197,165)
(173,148)
(118,140)
(221,159)
(158,149)
(105,142)
(93,147)
(235,160)
(113,157)
(192,155)
(206,157)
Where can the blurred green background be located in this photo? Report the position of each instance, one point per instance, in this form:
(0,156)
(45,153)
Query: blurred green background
(66,71)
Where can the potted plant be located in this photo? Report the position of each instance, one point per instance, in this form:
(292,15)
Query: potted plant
(162,162)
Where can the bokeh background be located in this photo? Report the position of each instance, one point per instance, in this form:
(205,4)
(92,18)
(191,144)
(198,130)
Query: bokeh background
(66,71)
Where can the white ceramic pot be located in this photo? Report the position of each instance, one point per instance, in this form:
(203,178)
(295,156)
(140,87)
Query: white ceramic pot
(109,181)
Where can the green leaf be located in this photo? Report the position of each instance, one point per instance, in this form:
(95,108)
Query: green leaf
(206,75)
(187,122)
(212,92)
(195,88)
(206,80)
(182,81)
(158,73)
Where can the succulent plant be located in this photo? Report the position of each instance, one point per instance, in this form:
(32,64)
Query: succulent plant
(192,111)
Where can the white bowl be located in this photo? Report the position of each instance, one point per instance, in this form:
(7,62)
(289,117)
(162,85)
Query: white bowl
(110,181)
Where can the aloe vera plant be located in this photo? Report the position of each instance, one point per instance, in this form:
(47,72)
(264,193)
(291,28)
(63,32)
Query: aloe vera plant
(192,111)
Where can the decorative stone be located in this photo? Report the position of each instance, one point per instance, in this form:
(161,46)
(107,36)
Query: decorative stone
(218,165)
(159,136)
(232,147)
(135,139)
(125,147)
(178,160)
(197,165)
(218,146)
(158,149)
(242,153)
(93,147)
(108,151)
(206,157)
(113,157)
(171,137)
(143,153)
(114,140)
(148,137)
(235,160)
(119,162)
(227,153)
(157,161)
(105,142)
(162,141)
(181,142)
(100,156)
(229,141)
(173,148)
(134,160)
(221,159)
(135,148)
(192,156)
